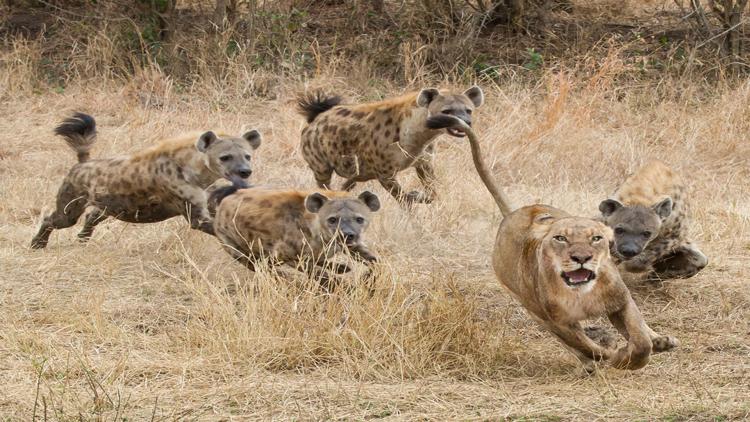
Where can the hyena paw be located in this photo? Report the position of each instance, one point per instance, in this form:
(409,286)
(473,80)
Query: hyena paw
(601,336)
(417,197)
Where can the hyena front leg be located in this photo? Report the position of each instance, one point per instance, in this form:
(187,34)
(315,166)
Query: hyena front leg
(426,174)
(684,262)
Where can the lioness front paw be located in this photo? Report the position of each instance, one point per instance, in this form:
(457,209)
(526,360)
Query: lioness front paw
(664,344)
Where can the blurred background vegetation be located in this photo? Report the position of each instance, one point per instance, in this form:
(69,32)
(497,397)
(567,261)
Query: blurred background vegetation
(251,44)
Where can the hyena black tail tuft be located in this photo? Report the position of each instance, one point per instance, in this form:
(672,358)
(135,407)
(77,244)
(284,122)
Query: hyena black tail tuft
(311,105)
(79,132)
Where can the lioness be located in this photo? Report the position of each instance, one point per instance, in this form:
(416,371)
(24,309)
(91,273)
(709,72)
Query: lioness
(559,268)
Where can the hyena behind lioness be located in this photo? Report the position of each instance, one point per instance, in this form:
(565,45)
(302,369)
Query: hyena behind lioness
(158,183)
(649,216)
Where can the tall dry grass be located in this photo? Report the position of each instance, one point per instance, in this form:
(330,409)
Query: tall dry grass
(156,322)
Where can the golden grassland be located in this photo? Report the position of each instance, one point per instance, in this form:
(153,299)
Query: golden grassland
(156,321)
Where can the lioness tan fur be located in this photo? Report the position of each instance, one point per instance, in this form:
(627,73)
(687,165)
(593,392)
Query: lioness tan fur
(559,268)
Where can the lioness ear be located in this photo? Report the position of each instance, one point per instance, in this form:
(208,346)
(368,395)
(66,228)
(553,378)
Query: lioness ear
(253,138)
(370,199)
(314,202)
(609,206)
(663,208)
(426,96)
(476,95)
(205,141)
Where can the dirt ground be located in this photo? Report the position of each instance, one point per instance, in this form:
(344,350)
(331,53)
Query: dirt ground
(156,321)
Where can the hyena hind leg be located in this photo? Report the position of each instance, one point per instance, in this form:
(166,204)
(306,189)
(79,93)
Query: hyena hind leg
(68,212)
(93,217)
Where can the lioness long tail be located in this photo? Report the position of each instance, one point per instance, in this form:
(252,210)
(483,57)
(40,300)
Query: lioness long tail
(444,121)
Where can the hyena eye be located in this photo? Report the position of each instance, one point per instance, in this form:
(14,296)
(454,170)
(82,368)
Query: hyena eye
(560,238)
(469,111)
(596,238)
(360,220)
(225,158)
(247,157)
(619,230)
(646,234)
(332,220)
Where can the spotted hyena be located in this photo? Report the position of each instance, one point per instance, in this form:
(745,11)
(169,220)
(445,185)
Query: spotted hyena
(158,183)
(378,140)
(649,216)
(300,229)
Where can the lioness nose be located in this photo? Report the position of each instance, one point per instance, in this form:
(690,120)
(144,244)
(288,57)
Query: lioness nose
(245,173)
(581,259)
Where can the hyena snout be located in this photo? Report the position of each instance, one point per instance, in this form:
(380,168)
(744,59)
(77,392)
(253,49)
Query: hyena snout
(244,173)
(239,175)
(629,250)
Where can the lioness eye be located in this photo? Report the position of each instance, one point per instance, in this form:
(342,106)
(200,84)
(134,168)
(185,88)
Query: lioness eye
(560,238)
(225,157)
(332,220)
(596,238)
(646,234)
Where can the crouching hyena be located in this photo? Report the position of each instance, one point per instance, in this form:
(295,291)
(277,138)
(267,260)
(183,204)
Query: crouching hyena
(378,140)
(300,229)
(158,183)
(648,214)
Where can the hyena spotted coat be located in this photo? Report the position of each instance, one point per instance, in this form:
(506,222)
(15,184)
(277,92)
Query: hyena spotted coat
(158,183)
(296,228)
(649,216)
(362,142)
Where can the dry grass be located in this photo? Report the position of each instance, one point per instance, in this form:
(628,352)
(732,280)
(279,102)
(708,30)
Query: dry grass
(157,321)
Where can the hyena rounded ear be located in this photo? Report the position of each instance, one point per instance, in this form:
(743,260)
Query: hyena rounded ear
(476,95)
(205,141)
(314,202)
(370,199)
(664,208)
(253,138)
(609,206)
(426,96)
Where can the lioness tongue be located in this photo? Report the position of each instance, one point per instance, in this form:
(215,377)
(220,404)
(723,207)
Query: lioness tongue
(578,276)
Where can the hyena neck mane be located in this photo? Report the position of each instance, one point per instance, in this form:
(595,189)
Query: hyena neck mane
(414,131)
(192,164)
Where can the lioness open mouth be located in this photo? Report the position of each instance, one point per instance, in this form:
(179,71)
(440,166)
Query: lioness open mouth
(458,133)
(577,277)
